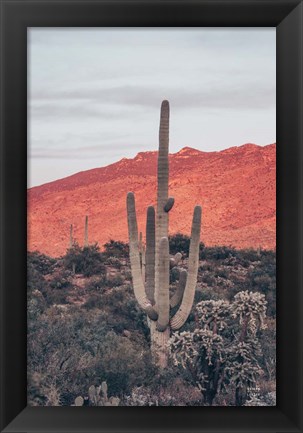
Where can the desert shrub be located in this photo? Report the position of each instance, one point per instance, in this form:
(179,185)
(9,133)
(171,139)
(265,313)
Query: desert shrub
(208,278)
(262,277)
(174,275)
(222,273)
(205,294)
(248,255)
(114,281)
(127,274)
(64,350)
(96,284)
(217,253)
(35,280)
(42,263)
(116,249)
(124,364)
(38,265)
(94,301)
(60,279)
(55,297)
(179,243)
(136,317)
(36,305)
(168,388)
(121,309)
(268,344)
(87,260)
(114,262)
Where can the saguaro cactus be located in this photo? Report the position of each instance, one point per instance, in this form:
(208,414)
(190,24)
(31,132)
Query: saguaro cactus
(152,291)
(71,240)
(86,232)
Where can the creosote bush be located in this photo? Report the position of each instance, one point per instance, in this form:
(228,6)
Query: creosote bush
(85,260)
(116,249)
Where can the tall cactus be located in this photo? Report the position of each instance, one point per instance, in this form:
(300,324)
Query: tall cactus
(152,292)
(71,240)
(86,232)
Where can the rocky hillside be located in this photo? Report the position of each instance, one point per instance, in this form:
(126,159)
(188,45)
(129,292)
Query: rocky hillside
(236,188)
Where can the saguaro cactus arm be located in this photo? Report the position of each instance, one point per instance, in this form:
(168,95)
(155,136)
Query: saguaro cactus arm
(169,204)
(175,260)
(163,295)
(177,296)
(193,263)
(138,285)
(143,263)
(150,255)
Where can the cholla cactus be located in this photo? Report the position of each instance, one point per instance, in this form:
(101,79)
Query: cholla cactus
(224,350)
(213,314)
(152,290)
(97,396)
(250,308)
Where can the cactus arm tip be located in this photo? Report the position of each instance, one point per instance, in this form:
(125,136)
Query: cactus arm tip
(164,104)
(175,260)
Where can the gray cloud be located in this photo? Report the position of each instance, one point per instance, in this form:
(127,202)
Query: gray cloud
(105,148)
(89,102)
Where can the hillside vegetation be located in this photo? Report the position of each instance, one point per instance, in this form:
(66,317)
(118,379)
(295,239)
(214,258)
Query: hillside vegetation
(85,330)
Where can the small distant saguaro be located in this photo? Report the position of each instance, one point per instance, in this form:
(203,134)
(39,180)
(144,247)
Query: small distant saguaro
(86,232)
(71,240)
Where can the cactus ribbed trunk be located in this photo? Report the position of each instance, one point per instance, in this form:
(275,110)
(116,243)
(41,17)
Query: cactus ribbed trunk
(163,294)
(159,344)
(150,255)
(152,287)
(162,188)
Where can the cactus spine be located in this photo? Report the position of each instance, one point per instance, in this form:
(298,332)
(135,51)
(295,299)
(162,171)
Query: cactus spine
(152,292)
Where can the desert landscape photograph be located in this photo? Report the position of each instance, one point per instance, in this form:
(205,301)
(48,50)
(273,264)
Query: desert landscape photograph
(151,215)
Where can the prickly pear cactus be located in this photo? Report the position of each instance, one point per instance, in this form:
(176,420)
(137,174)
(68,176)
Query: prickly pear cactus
(97,396)
(151,287)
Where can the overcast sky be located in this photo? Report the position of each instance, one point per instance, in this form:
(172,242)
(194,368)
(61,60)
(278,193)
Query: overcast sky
(95,94)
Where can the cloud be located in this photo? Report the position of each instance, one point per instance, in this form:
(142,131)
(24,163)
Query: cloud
(105,148)
(91,102)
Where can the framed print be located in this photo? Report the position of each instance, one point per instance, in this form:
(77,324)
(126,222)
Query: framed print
(137,297)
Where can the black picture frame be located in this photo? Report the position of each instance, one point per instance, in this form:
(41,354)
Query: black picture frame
(16,16)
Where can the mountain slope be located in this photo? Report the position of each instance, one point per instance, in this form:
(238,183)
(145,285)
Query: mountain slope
(236,188)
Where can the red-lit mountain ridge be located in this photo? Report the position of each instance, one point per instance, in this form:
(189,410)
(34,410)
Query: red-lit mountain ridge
(236,188)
